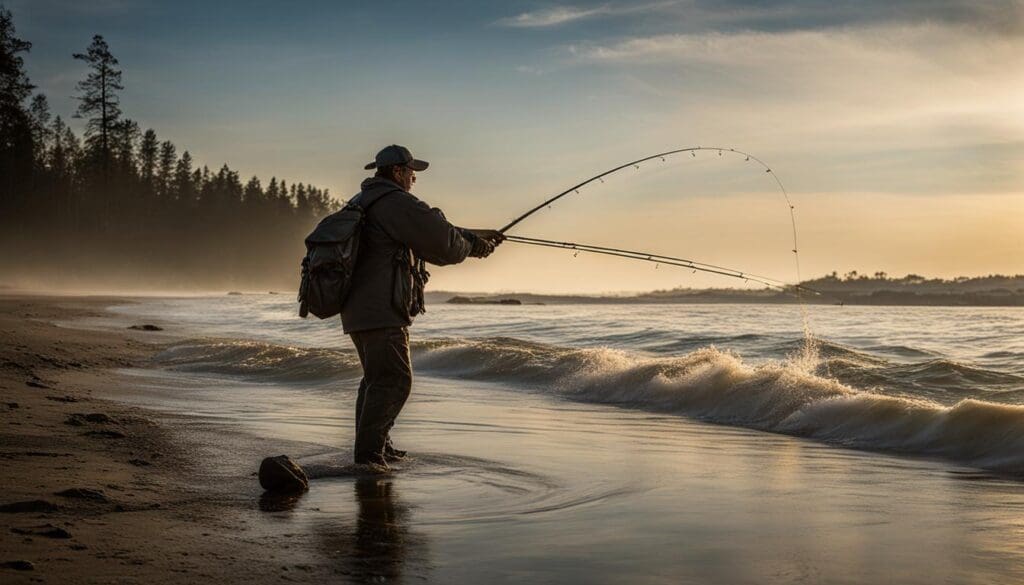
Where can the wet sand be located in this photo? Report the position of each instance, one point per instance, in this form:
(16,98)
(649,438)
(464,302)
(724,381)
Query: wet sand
(96,491)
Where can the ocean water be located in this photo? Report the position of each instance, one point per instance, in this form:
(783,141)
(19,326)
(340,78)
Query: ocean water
(637,443)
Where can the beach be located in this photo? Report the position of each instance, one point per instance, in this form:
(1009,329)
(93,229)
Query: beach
(541,449)
(97,491)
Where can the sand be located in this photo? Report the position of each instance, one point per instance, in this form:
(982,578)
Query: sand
(95,491)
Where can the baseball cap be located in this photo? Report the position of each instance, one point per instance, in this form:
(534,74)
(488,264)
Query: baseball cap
(397,155)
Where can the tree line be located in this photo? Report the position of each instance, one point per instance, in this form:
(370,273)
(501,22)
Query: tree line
(120,207)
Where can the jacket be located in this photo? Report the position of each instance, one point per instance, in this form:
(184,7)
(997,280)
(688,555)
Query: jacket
(399,229)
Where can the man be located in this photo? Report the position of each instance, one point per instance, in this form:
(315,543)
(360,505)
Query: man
(400,234)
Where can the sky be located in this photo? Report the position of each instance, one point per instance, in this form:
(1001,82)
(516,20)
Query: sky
(897,127)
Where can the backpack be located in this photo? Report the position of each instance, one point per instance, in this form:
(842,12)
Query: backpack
(331,251)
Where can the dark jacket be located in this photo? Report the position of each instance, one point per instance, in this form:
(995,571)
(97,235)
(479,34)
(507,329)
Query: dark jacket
(382,284)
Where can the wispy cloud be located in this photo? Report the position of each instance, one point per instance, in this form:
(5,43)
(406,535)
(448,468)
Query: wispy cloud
(553,16)
(559,15)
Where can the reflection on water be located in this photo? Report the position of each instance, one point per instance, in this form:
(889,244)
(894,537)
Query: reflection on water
(380,546)
(274,502)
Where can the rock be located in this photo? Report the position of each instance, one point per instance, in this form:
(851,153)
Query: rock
(234,293)
(106,434)
(37,384)
(78,419)
(28,506)
(98,417)
(146,327)
(19,565)
(83,494)
(62,398)
(457,300)
(75,420)
(139,462)
(46,530)
(281,474)
(12,405)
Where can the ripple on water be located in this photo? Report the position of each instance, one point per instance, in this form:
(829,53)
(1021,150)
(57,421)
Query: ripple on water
(478,490)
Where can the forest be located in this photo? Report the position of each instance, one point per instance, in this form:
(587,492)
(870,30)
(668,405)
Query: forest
(120,208)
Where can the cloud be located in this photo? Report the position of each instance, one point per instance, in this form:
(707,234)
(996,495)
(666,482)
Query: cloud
(1000,16)
(935,101)
(553,16)
(559,15)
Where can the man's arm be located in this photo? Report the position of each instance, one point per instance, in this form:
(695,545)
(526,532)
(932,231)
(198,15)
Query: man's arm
(424,229)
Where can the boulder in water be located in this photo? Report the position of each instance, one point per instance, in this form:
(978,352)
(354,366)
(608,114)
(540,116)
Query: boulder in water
(281,474)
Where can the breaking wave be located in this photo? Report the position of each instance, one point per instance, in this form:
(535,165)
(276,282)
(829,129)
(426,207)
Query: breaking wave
(815,400)
(259,361)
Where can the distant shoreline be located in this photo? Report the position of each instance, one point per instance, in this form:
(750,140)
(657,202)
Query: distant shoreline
(698,297)
(851,289)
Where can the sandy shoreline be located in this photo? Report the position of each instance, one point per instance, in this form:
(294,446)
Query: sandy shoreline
(96,490)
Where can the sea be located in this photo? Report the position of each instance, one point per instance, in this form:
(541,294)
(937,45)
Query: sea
(631,443)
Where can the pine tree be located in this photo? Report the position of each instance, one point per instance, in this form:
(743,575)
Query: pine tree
(184,182)
(147,161)
(99,103)
(165,169)
(17,156)
(253,194)
(39,114)
(123,137)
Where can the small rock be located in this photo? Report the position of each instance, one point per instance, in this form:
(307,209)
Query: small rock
(98,417)
(106,434)
(83,494)
(281,474)
(139,462)
(19,565)
(78,419)
(146,327)
(75,420)
(47,530)
(234,293)
(62,398)
(37,384)
(28,506)
(12,405)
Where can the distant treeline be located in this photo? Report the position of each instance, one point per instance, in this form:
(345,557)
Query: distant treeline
(119,206)
(877,289)
(853,289)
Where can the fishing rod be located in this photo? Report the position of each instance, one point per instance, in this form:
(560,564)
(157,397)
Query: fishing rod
(659,259)
(663,156)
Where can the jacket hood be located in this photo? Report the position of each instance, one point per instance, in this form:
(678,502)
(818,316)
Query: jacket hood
(373,183)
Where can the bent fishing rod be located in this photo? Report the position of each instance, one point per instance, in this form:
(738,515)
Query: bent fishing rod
(665,259)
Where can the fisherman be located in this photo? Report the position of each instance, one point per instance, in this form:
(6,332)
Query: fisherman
(400,235)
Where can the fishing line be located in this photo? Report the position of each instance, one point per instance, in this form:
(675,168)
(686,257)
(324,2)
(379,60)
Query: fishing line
(809,348)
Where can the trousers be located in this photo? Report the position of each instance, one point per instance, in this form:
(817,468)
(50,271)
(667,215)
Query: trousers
(386,384)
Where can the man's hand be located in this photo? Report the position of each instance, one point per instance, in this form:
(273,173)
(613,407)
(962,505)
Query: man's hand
(481,248)
(484,241)
(494,237)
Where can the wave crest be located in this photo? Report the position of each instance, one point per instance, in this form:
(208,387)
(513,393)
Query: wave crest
(709,384)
